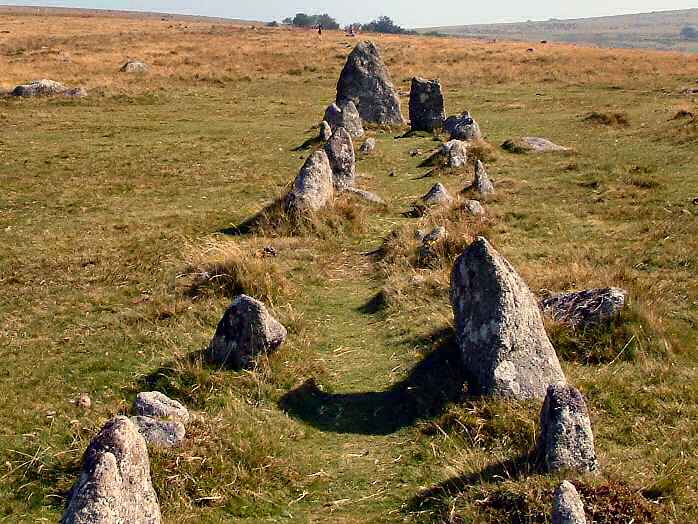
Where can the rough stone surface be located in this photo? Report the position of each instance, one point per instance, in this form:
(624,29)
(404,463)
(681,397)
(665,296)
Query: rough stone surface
(482,183)
(134,66)
(313,188)
(456,153)
(325,131)
(158,405)
(532,144)
(366,82)
(499,327)
(567,505)
(462,127)
(162,433)
(365,195)
(473,207)
(246,331)
(438,195)
(345,115)
(428,253)
(40,88)
(426,105)
(588,308)
(566,441)
(114,486)
(368,147)
(340,152)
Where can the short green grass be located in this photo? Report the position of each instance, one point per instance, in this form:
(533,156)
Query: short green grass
(361,416)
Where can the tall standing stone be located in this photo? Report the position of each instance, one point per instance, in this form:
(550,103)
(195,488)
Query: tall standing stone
(499,327)
(313,188)
(347,116)
(426,105)
(340,152)
(566,441)
(246,331)
(114,486)
(366,82)
(567,505)
(482,182)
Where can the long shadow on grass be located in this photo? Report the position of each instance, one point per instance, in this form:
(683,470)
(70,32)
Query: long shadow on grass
(269,217)
(431,385)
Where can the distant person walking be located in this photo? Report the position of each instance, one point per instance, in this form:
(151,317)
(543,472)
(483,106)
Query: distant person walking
(319,29)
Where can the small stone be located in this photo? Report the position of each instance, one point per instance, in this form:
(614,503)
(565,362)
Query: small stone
(340,153)
(416,152)
(482,183)
(246,332)
(426,105)
(365,195)
(584,309)
(162,433)
(134,66)
(345,115)
(83,401)
(567,506)
(566,441)
(438,195)
(325,131)
(313,188)
(531,144)
(473,208)
(368,147)
(455,152)
(462,127)
(158,405)
(437,234)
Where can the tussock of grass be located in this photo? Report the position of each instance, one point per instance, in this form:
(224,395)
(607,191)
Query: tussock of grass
(613,119)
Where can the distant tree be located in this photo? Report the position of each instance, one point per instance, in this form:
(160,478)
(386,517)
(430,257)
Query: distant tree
(287,21)
(385,24)
(689,33)
(302,20)
(327,21)
(305,20)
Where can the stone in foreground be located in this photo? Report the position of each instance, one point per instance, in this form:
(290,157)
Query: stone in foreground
(455,152)
(345,115)
(482,183)
(426,105)
(584,309)
(567,505)
(162,433)
(340,152)
(366,82)
(462,127)
(114,486)
(499,327)
(566,441)
(438,195)
(313,188)
(134,66)
(158,405)
(246,332)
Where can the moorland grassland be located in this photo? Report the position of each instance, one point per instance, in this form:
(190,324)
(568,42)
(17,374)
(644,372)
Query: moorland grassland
(120,249)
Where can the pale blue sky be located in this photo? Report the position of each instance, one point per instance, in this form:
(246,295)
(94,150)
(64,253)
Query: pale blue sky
(408,13)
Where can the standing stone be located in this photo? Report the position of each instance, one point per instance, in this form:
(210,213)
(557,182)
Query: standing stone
(426,105)
(366,82)
(340,153)
(325,131)
(499,327)
(114,486)
(584,309)
(347,116)
(438,195)
(368,147)
(566,441)
(455,152)
(313,187)
(482,183)
(567,506)
(473,208)
(462,127)
(246,331)
(158,405)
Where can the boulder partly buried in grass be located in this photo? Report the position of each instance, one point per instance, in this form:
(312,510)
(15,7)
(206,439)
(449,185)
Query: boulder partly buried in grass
(47,88)
(438,195)
(159,405)
(246,332)
(455,153)
(566,441)
(567,505)
(532,144)
(313,188)
(482,182)
(114,485)
(462,127)
(499,327)
(160,433)
(134,66)
(584,309)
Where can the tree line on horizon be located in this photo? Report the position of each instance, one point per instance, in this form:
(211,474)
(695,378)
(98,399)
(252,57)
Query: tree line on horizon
(383,24)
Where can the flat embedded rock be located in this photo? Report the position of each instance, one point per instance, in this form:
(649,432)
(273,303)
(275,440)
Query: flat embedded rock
(365,195)
(158,432)
(134,66)
(438,195)
(532,144)
(158,405)
(584,309)
(47,88)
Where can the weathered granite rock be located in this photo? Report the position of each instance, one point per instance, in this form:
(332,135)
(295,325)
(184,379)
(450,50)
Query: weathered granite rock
(455,152)
(428,251)
(340,153)
(438,195)
(114,486)
(246,331)
(345,115)
(531,144)
(47,88)
(134,66)
(158,405)
(473,207)
(368,147)
(313,188)
(584,309)
(325,131)
(426,105)
(366,82)
(462,127)
(499,327)
(482,182)
(162,433)
(567,505)
(566,441)
(365,195)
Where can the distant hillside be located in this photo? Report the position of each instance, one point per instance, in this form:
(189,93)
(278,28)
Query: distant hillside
(658,30)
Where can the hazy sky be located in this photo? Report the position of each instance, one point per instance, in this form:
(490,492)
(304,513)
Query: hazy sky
(408,13)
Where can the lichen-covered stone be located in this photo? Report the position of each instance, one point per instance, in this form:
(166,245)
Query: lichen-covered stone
(340,153)
(462,127)
(426,105)
(313,188)
(325,131)
(567,505)
(438,195)
(499,327)
(532,144)
(482,183)
(158,432)
(158,405)
(134,66)
(345,115)
(368,147)
(455,152)
(473,208)
(584,309)
(47,88)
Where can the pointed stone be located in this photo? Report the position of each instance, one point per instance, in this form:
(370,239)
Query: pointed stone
(499,327)
(246,332)
(115,485)
(566,441)
(347,116)
(438,195)
(366,82)
(426,105)
(340,153)
(313,188)
(567,506)
(482,183)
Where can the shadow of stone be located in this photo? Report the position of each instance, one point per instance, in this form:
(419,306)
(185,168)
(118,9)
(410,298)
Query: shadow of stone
(431,385)
(308,144)
(271,215)
(376,303)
